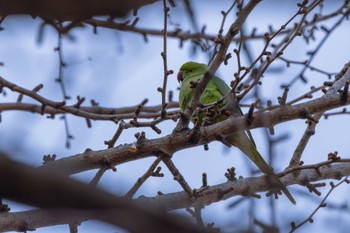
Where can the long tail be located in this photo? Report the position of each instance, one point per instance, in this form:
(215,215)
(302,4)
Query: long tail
(247,147)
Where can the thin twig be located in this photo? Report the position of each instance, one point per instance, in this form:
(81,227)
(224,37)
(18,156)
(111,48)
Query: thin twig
(321,205)
(61,107)
(271,58)
(120,113)
(164,56)
(307,66)
(218,59)
(177,175)
(98,176)
(143,178)
(219,39)
(342,112)
(111,143)
(312,55)
(185,35)
(59,79)
(310,130)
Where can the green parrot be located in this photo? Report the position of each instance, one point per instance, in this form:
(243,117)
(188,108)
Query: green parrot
(189,74)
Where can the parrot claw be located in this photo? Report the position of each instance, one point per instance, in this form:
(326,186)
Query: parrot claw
(181,129)
(183,123)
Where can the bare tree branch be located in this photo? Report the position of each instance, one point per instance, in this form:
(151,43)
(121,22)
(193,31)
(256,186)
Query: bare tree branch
(343,78)
(65,197)
(70,9)
(94,113)
(184,139)
(66,201)
(120,113)
(181,200)
(216,62)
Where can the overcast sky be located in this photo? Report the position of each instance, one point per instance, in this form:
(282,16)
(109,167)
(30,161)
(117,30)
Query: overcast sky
(119,69)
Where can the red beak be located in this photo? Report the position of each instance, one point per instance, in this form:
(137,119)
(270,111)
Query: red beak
(179,76)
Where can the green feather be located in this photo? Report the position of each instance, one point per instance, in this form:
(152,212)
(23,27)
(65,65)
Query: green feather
(224,89)
(215,90)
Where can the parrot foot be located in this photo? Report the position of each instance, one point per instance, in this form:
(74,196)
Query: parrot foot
(183,123)
(180,129)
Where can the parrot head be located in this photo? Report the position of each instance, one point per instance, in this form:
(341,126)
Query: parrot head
(190,68)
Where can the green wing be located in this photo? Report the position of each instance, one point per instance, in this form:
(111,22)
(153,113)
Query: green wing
(224,89)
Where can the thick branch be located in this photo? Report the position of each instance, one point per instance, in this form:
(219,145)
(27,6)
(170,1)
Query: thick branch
(185,139)
(180,200)
(63,196)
